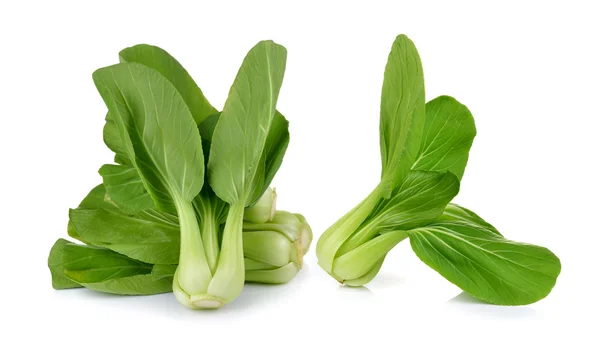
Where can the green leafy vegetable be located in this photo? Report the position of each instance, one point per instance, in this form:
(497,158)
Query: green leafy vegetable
(424,150)
(161,61)
(238,158)
(156,216)
(485,264)
(447,138)
(274,250)
(107,271)
(165,147)
(402,113)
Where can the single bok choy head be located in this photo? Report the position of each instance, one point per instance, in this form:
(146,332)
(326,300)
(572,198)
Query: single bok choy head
(401,126)
(424,152)
(274,250)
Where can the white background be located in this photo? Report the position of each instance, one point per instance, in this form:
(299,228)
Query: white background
(529,72)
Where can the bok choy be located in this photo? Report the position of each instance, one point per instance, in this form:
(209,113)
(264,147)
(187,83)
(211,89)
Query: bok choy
(424,151)
(165,211)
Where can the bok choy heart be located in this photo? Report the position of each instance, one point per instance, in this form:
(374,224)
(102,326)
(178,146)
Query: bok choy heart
(424,152)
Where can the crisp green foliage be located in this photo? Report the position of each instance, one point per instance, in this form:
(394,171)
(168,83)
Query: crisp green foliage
(125,188)
(110,272)
(161,137)
(447,139)
(400,129)
(155,225)
(424,152)
(141,237)
(485,264)
(161,61)
(402,113)
(236,164)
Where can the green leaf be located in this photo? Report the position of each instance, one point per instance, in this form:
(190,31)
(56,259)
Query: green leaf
(125,188)
(161,61)
(158,130)
(484,264)
(402,113)
(236,162)
(149,236)
(145,236)
(56,265)
(88,264)
(447,139)
(110,272)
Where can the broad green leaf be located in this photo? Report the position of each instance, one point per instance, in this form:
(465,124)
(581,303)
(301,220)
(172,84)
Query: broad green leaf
(240,136)
(161,61)
(110,272)
(88,264)
(447,139)
(125,188)
(144,237)
(160,135)
(56,265)
(402,113)
(484,264)
(420,199)
(149,236)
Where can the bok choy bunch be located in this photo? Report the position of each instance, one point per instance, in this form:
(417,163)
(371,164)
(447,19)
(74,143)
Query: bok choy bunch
(186,183)
(424,151)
